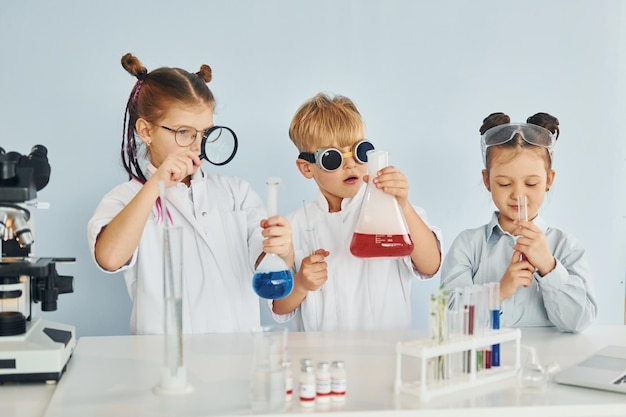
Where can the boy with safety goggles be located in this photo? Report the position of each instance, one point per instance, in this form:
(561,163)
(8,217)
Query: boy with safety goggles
(543,272)
(333,290)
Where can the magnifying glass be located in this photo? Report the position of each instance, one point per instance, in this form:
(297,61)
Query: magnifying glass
(219,145)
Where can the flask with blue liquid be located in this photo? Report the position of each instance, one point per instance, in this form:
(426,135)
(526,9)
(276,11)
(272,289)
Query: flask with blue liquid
(272,278)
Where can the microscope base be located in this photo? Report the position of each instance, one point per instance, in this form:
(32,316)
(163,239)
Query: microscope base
(39,355)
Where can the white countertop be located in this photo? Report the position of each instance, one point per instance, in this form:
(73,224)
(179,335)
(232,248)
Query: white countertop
(114,376)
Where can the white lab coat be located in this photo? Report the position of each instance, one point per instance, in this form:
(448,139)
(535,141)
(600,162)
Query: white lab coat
(360,294)
(220,217)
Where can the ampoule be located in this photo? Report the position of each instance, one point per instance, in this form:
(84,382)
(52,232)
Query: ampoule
(322,382)
(307,386)
(288,380)
(338,380)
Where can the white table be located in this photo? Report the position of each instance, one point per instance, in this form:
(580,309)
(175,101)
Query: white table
(114,376)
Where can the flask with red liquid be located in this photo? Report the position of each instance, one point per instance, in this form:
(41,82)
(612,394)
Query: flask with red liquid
(381,231)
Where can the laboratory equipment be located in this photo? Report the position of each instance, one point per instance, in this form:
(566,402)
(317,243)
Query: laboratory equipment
(173,373)
(31,349)
(522,214)
(288,380)
(381,231)
(268,373)
(439,332)
(322,382)
(494,310)
(338,380)
(426,349)
(310,231)
(307,386)
(219,145)
(532,375)
(272,278)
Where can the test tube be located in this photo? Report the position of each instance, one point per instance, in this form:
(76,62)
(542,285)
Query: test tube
(522,214)
(522,207)
(468,323)
(494,308)
(173,373)
(455,328)
(310,230)
(481,302)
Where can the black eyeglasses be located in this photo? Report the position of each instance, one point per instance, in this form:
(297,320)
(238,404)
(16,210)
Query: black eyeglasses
(219,143)
(185,135)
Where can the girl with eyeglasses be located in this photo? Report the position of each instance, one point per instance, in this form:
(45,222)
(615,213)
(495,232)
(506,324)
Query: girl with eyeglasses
(168,128)
(333,289)
(543,272)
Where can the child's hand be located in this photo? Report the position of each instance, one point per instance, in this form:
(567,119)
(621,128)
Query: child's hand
(177,167)
(518,274)
(314,270)
(391,181)
(532,242)
(277,232)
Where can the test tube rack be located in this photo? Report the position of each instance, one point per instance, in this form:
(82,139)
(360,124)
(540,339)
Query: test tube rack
(426,349)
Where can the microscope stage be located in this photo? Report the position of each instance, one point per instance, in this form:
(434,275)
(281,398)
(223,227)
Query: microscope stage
(40,354)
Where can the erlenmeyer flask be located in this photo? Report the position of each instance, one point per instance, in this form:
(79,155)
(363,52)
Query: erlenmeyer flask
(272,278)
(381,231)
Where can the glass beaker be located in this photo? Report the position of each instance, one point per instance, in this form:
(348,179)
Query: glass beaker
(268,371)
(272,278)
(381,231)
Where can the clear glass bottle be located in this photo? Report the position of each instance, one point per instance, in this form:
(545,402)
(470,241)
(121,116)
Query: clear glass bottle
(381,231)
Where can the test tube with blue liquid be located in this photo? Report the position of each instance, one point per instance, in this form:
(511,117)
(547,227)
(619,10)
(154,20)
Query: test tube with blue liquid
(494,308)
(272,278)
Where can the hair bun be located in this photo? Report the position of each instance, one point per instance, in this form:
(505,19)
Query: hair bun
(546,121)
(134,66)
(205,73)
(494,119)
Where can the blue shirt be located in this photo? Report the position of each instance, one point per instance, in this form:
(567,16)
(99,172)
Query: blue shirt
(562,298)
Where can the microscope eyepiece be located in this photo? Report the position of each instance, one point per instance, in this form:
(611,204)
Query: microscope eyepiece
(37,160)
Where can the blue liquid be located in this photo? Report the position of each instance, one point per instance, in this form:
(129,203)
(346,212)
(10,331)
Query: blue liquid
(495,349)
(273,285)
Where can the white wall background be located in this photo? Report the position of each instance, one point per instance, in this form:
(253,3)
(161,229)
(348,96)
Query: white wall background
(423,73)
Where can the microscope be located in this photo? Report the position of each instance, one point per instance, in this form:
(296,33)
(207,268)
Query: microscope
(31,349)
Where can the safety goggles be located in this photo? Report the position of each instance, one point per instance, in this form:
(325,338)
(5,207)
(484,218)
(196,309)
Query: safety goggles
(331,159)
(532,134)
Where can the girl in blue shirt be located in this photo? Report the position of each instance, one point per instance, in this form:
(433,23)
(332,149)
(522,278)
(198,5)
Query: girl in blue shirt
(543,272)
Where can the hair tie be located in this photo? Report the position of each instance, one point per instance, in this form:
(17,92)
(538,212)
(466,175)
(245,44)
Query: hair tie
(136,92)
(142,75)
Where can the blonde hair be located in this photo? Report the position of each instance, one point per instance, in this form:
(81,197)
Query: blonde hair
(323,121)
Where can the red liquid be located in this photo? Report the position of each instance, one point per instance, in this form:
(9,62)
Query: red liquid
(380,246)
(487,359)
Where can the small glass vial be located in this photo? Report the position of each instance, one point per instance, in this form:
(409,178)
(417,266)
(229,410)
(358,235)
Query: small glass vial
(288,380)
(322,382)
(307,386)
(338,381)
